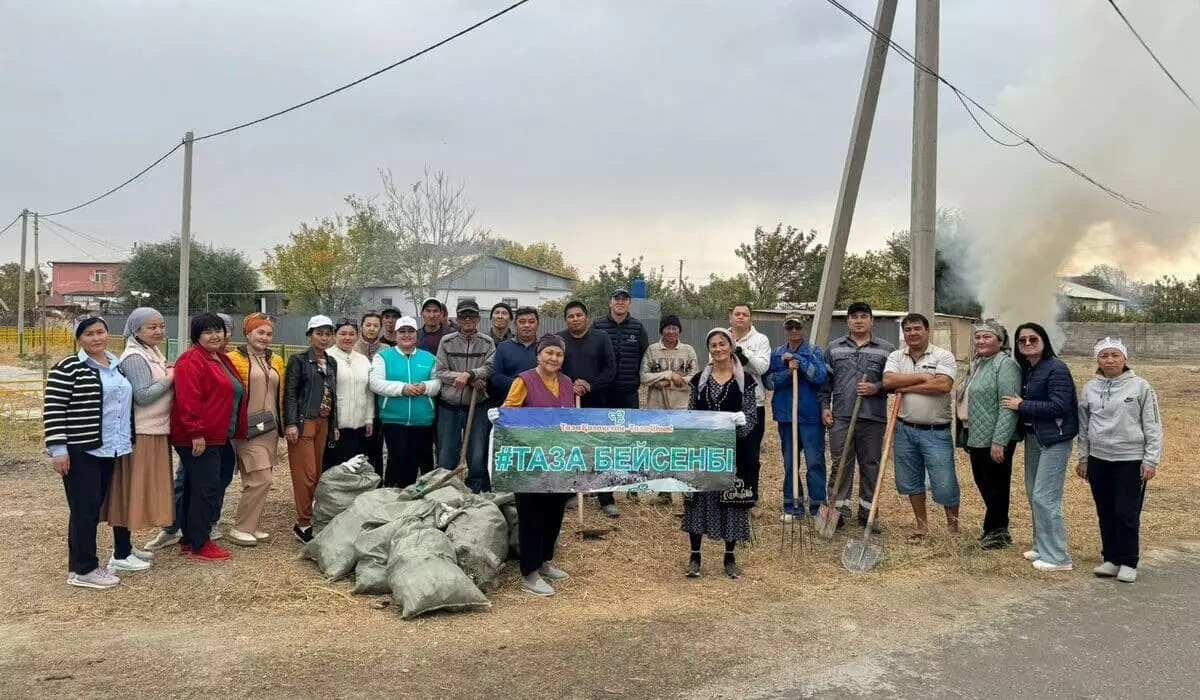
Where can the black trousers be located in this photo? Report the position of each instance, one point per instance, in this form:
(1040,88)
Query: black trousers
(753,456)
(410,453)
(86,484)
(617,399)
(201,494)
(994,482)
(351,442)
(539,520)
(373,447)
(1119,492)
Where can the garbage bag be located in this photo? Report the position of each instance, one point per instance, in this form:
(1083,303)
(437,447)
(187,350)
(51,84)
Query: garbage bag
(480,537)
(333,547)
(433,480)
(338,488)
(447,494)
(508,506)
(423,575)
(373,547)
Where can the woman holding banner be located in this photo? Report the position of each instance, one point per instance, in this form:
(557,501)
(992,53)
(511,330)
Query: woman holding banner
(723,515)
(540,515)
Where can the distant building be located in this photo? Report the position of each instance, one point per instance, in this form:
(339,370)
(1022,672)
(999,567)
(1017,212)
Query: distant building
(1076,297)
(950,332)
(487,280)
(83,286)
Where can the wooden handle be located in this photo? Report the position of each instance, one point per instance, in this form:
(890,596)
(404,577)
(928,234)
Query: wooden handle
(795,466)
(578,495)
(841,467)
(887,452)
(462,454)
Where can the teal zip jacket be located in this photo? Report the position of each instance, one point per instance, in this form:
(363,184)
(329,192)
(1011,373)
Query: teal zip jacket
(391,372)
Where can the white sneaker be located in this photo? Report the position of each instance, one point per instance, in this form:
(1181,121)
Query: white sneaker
(99,578)
(216,533)
(245,539)
(1106,570)
(129,563)
(1032,555)
(142,554)
(1047,566)
(533,583)
(164,539)
(262,536)
(552,572)
(786,518)
(1127,574)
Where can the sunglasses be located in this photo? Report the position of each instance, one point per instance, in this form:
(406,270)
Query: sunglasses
(1030,340)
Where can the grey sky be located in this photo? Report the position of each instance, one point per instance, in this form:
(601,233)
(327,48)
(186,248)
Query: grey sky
(668,128)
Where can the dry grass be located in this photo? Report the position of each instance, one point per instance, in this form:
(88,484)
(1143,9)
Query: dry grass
(634,574)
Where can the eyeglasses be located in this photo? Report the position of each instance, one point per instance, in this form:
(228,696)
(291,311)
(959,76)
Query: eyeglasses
(347,322)
(1029,340)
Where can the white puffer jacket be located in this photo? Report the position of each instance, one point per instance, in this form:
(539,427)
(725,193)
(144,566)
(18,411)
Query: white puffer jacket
(355,402)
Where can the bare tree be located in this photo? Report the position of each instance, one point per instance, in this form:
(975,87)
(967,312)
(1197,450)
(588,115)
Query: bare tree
(434,231)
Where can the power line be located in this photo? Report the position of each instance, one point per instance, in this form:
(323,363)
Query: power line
(86,237)
(368,76)
(119,187)
(1150,51)
(10,224)
(1022,139)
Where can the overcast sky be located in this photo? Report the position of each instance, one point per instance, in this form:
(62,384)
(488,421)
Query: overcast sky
(667,129)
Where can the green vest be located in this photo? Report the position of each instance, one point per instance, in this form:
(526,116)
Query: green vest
(410,369)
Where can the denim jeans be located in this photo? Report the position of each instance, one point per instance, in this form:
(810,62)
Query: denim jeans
(920,453)
(812,441)
(451,423)
(1045,477)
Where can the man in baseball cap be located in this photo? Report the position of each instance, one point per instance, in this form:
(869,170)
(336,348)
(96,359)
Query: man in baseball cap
(464,364)
(388,318)
(797,359)
(434,326)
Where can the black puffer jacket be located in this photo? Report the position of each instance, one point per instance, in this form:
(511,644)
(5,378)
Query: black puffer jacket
(629,343)
(303,390)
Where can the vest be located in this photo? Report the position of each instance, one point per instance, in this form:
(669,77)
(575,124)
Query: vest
(410,369)
(153,418)
(537,395)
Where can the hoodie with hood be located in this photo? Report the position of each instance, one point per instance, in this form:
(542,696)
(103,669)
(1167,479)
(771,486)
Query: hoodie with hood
(1119,420)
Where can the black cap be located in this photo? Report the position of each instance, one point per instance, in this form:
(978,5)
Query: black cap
(433,300)
(860,307)
(502,305)
(669,320)
(618,292)
(391,311)
(467,306)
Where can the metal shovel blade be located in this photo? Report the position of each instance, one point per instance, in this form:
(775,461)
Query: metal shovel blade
(859,556)
(827,522)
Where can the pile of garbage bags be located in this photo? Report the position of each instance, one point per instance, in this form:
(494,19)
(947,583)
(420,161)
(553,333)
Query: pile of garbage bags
(433,545)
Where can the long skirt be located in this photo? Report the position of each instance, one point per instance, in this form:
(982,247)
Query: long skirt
(703,514)
(141,493)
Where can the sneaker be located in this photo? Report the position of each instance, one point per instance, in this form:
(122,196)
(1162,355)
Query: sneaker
(99,578)
(242,538)
(185,549)
(1106,570)
(215,533)
(1046,566)
(164,539)
(533,583)
(262,536)
(1127,574)
(663,499)
(552,572)
(610,511)
(209,551)
(1032,555)
(693,569)
(732,570)
(142,554)
(303,532)
(787,518)
(129,563)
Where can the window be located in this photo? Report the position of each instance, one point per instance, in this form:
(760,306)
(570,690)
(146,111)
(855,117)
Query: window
(511,301)
(385,301)
(100,276)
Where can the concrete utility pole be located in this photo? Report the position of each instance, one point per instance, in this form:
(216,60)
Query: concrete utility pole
(21,286)
(681,273)
(856,156)
(922,234)
(39,295)
(185,246)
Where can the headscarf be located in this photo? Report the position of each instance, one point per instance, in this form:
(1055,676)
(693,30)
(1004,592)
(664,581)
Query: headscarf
(1110,343)
(82,323)
(991,325)
(550,340)
(255,320)
(739,375)
(140,317)
(987,325)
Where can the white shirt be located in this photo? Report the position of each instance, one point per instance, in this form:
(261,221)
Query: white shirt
(757,348)
(355,402)
(920,409)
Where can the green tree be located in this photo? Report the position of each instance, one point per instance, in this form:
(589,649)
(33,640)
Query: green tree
(539,254)
(715,298)
(783,265)
(1172,300)
(596,290)
(871,277)
(10,276)
(322,267)
(221,279)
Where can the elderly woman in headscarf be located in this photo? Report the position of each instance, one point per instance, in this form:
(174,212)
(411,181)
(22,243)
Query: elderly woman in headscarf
(988,431)
(724,386)
(141,493)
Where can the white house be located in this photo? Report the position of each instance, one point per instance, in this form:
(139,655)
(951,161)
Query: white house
(487,280)
(1077,296)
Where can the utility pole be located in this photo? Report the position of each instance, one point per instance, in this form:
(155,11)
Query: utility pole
(681,274)
(39,294)
(856,156)
(185,245)
(922,234)
(21,287)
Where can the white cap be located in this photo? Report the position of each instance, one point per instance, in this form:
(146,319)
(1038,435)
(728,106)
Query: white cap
(319,322)
(1110,343)
(407,322)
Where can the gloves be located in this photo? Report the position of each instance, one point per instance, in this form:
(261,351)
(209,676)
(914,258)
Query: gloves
(739,418)
(493,414)
(740,353)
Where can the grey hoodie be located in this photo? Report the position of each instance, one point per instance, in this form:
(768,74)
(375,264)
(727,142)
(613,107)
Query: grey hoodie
(1119,420)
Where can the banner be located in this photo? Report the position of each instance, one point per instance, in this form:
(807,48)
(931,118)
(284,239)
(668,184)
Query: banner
(582,450)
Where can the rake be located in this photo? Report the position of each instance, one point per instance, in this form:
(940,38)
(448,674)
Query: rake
(798,484)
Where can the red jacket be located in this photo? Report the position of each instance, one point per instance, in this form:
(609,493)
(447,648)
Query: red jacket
(204,399)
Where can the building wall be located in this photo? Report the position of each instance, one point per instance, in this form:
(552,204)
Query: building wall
(1179,341)
(376,298)
(75,277)
(489,281)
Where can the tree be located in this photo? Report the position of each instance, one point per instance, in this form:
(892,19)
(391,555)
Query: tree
(954,293)
(221,278)
(782,266)
(596,290)
(1172,300)
(1113,280)
(720,294)
(871,277)
(421,234)
(540,254)
(318,268)
(10,276)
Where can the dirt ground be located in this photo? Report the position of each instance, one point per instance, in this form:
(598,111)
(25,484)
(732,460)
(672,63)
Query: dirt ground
(626,624)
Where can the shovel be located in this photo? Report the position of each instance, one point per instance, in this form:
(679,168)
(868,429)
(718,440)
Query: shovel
(860,556)
(594,533)
(828,516)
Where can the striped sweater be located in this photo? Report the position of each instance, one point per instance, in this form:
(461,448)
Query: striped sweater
(73,408)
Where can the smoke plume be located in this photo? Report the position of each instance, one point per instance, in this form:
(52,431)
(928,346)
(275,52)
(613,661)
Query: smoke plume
(1101,104)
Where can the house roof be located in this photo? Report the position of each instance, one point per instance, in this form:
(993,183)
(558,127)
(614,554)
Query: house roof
(451,276)
(1072,290)
(52,263)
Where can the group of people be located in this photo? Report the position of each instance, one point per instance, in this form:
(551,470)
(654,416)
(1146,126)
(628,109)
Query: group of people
(386,380)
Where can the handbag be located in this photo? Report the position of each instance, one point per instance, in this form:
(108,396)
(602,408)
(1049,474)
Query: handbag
(261,422)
